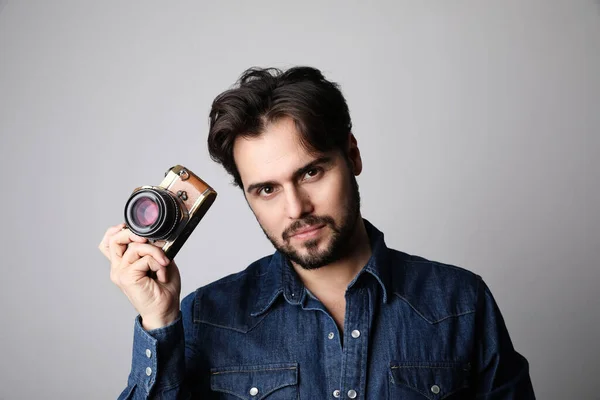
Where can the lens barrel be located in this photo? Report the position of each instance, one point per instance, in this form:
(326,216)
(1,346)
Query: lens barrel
(152,213)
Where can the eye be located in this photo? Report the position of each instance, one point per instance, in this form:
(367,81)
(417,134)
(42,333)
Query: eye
(266,191)
(311,173)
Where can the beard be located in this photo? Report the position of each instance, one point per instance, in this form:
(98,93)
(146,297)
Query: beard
(341,234)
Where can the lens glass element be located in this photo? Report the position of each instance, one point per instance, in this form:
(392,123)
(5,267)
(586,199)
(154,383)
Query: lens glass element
(145,212)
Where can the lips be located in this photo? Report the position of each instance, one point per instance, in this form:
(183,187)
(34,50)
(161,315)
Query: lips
(307,230)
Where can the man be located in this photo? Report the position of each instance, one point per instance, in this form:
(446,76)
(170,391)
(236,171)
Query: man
(333,313)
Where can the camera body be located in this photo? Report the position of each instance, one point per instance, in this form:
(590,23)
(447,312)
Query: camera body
(168,213)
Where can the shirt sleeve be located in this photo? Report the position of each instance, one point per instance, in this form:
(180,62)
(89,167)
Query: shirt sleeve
(158,367)
(501,372)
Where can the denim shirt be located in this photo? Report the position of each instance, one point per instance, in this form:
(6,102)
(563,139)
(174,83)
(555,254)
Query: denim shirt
(414,329)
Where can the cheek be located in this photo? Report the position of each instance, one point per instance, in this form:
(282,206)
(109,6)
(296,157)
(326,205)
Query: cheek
(268,214)
(330,196)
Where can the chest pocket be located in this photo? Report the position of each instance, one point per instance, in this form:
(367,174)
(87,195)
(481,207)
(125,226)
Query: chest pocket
(429,380)
(256,382)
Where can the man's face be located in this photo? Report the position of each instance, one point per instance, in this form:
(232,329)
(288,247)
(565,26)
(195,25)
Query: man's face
(307,204)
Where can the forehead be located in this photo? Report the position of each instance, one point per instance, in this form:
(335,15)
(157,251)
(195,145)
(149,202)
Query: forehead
(272,156)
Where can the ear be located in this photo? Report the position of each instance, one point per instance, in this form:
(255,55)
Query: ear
(354,154)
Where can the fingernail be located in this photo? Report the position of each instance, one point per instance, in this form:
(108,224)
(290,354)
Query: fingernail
(166,261)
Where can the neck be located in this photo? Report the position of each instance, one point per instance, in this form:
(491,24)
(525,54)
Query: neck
(335,277)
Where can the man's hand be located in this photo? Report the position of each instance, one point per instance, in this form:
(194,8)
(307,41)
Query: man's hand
(131,260)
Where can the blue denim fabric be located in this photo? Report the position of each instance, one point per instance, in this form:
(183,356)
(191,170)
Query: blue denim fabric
(414,329)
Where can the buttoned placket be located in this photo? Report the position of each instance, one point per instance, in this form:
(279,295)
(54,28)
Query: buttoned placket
(346,365)
(354,355)
(351,358)
(332,344)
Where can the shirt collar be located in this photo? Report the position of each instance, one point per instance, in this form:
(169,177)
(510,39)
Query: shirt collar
(282,279)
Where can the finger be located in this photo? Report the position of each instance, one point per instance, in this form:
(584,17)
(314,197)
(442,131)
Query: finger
(171,272)
(104,245)
(139,270)
(135,251)
(162,275)
(114,229)
(119,241)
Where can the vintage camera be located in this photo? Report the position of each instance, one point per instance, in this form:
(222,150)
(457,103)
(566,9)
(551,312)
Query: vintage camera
(168,213)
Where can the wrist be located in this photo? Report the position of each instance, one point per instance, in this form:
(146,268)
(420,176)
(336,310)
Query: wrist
(150,322)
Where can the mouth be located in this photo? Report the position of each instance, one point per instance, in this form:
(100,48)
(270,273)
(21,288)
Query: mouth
(307,232)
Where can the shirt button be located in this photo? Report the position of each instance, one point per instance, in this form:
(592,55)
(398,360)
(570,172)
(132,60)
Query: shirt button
(148,371)
(336,393)
(148,353)
(330,336)
(253,391)
(435,389)
(355,333)
(352,394)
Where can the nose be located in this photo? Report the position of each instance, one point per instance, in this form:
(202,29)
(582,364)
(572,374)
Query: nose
(298,203)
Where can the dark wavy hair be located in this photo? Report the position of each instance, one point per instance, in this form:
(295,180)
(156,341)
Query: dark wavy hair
(262,96)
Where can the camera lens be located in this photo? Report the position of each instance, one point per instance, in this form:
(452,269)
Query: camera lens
(152,213)
(145,212)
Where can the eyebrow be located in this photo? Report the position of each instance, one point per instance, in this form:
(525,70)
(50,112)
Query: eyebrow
(299,172)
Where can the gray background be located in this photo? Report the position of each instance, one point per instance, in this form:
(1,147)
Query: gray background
(478,124)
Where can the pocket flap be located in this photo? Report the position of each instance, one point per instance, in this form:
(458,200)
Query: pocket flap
(434,380)
(253,382)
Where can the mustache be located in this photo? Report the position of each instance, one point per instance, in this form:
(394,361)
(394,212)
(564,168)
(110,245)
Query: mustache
(307,221)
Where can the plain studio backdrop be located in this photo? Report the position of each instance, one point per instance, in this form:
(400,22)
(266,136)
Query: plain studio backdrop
(478,123)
